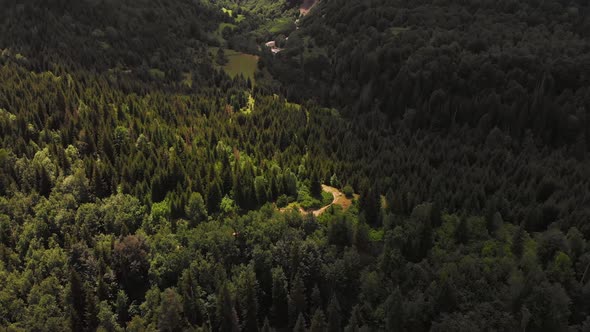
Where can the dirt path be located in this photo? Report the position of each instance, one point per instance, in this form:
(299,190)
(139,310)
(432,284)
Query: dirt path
(339,199)
(306,6)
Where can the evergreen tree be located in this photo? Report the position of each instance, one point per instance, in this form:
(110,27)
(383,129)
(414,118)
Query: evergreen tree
(394,315)
(334,315)
(121,308)
(195,210)
(462,231)
(318,322)
(248,287)
(371,206)
(214,197)
(300,324)
(170,311)
(315,299)
(279,310)
(77,302)
(297,294)
(355,320)
(227,312)
(518,242)
(91,312)
(191,295)
(266,326)
(315,185)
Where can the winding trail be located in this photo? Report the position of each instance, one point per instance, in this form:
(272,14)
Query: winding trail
(339,199)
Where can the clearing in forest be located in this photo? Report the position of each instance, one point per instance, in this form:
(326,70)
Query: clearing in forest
(339,199)
(238,63)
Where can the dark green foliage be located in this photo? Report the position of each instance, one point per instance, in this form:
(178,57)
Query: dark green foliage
(138,183)
(279,308)
(462,231)
(334,316)
(315,185)
(318,322)
(228,317)
(518,242)
(300,324)
(130,263)
(170,317)
(394,321)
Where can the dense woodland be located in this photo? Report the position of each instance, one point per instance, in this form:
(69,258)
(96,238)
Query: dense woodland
(140,190)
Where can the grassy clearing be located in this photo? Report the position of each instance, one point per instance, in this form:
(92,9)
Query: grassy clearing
(241,63)
(238,63)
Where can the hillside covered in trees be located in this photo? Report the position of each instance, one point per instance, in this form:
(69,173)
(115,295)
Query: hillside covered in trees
(147,183)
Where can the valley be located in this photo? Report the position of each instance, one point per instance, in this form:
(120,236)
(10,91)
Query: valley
(263,165)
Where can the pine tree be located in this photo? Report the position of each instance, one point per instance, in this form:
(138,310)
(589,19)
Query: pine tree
(355,320)
(214,197)
(170,312)
(315,185)
(279,310)
(297,295)
(266,326)
(371,206)
(195,209)
(227,312)
(77,302)
(315,299)
(300,324)
(121,307)
(518,242)
(318,322)
(91,312)
(462,231)
(248,287)
(394,311)
(334,315)
(446,300)
(191,293)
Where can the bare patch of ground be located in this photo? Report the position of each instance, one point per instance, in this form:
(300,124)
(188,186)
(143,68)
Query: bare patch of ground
(306,6)
(339,199)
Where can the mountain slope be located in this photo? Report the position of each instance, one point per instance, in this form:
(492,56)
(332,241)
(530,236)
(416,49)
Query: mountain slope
(517,66)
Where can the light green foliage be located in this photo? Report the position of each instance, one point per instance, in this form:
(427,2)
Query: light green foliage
(196,210)
(561,269)
(160,212)
(107,319)
(250,106)
(282,26)
(228,206)
(307,201)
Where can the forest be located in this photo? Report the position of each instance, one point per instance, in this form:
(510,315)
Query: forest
(148,183)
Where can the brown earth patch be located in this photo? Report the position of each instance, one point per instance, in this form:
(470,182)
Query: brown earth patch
(306,6)
(339,199)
